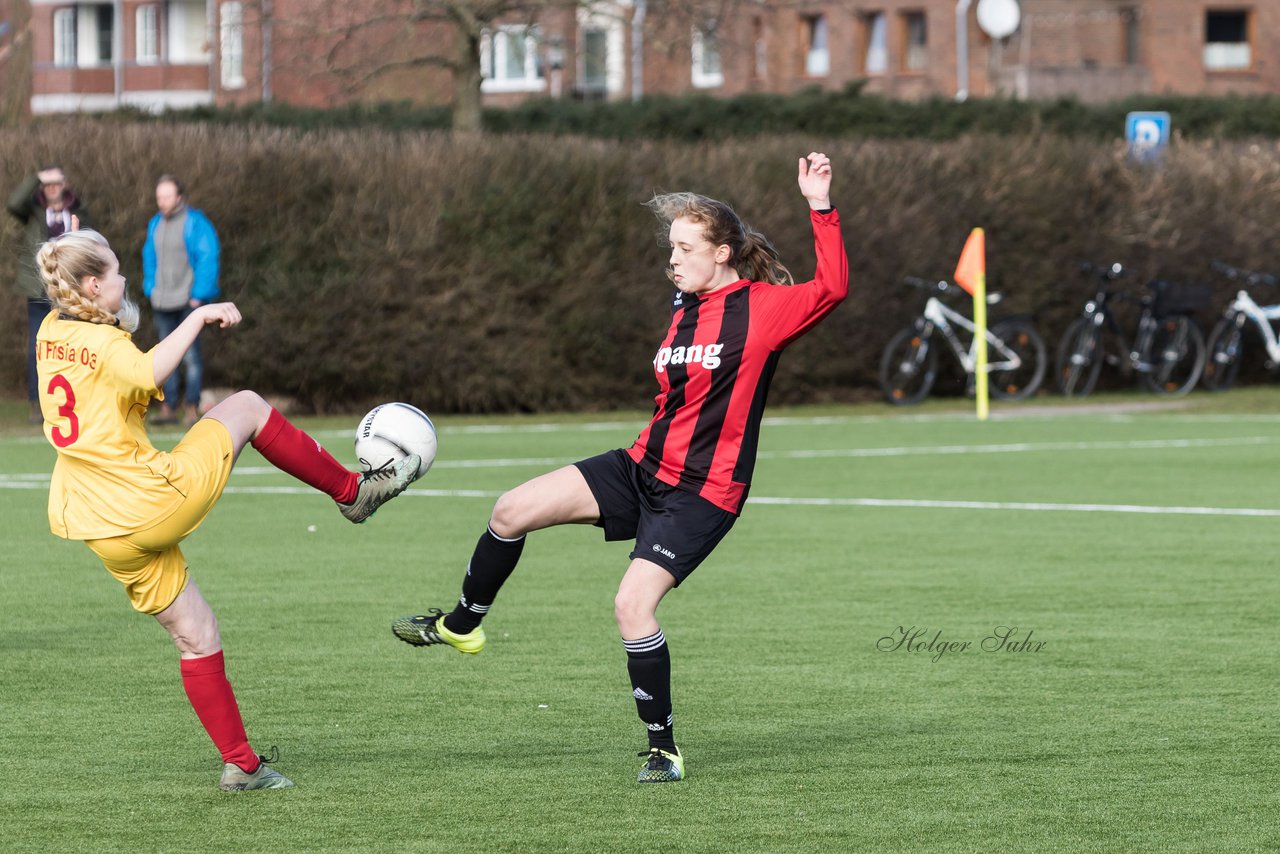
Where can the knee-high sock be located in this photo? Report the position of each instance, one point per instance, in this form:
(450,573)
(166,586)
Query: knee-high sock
(649,665)
(205,681)
(294,452)
(491,564)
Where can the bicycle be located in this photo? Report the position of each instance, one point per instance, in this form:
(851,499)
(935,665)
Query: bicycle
(909,366)
(1168,350)
(1226,341)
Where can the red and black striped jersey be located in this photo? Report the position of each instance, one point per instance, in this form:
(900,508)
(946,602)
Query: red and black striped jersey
(714,367)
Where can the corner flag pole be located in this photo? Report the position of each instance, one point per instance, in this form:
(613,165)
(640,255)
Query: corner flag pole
(971,274)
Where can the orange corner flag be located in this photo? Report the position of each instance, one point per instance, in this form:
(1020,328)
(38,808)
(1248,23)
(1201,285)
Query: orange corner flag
(972,268)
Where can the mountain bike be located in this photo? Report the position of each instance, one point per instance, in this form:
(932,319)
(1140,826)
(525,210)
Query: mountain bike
(1226,341)
(909,366)
(1167,351)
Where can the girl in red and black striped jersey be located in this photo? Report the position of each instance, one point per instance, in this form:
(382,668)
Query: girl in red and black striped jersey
(679,488)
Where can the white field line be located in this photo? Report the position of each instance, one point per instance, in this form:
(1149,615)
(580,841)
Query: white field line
(904,451)
(1119,416)
(40,480)
(893,503)
(636,425)
(10,481)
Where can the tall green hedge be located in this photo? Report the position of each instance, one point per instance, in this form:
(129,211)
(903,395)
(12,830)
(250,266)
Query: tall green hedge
(847,112)
(522,273)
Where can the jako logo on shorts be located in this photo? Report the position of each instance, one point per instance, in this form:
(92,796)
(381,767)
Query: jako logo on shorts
(708,356)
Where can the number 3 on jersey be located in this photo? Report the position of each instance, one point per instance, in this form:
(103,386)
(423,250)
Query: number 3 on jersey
(67,410)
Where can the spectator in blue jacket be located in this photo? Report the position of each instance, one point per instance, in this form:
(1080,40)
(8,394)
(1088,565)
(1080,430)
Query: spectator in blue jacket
(179,274)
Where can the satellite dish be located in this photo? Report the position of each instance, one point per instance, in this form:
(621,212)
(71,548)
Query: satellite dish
(999,18)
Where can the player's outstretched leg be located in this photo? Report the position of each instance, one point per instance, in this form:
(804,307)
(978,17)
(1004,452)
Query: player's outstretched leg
(251,420)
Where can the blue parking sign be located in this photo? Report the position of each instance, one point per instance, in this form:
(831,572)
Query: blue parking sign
(1147,133)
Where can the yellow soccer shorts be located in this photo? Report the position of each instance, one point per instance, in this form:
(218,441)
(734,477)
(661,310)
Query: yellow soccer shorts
(149,563)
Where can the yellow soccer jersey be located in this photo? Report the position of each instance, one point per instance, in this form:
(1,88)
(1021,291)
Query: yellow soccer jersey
(95,386)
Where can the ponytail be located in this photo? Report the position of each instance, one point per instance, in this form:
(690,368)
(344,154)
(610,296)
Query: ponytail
(758,260)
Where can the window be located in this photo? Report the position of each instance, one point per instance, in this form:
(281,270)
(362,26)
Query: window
(915,56)
(64,38)
(146,34)
(1226,41)
(595,59)
(509,60)
(817,59)
(232,42)
(706,57)
(875,43)
(106,32)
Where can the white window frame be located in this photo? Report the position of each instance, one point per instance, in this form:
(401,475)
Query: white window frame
(608,19)
(496,76)
(146,34)
(64,38)
(231,45)
(707,71)
(817,60)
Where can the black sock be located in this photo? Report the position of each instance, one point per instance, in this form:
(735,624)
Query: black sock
(491,564)
(649,664)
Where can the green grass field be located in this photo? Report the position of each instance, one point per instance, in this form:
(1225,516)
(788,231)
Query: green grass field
(1145,721)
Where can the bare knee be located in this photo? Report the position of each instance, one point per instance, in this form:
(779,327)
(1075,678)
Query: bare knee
(197,638)
(250,402)
(510,517)
(636,615)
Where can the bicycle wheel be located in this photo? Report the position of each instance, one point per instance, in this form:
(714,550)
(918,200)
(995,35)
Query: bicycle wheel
(1176,357)
(908,367)
(1020,336)
(1226,347)
(1080,358)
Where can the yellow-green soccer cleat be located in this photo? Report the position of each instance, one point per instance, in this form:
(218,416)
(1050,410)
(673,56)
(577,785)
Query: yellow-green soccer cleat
(428,629)
(662,767)
(379,486)
(236,780)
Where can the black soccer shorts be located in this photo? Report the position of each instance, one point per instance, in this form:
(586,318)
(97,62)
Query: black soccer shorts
(675,529)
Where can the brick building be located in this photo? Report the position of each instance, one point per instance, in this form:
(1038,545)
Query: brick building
(174,53)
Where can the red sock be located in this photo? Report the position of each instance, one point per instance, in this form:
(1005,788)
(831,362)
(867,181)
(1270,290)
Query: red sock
(205,681)
(294,452)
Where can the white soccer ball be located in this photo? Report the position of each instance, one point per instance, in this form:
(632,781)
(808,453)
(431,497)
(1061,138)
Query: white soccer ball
(391,432)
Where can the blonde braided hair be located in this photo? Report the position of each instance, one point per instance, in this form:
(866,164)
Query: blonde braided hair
(65,262)
(750,252)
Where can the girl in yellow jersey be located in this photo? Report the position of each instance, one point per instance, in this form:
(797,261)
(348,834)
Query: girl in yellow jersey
(132,504)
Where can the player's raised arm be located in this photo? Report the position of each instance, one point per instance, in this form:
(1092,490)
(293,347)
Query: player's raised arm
(815,180)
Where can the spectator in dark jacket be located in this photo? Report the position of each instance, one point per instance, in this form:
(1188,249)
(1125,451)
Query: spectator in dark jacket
(46,207)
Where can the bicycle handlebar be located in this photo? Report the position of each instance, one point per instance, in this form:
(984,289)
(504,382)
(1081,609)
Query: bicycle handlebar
(1250,277)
